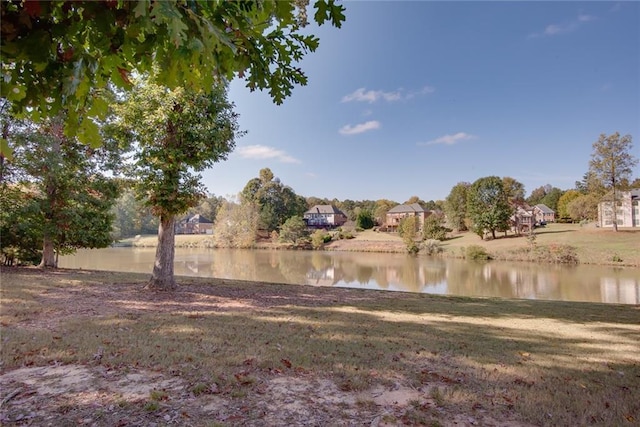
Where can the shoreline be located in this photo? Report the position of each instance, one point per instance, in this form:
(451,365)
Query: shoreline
(587,245)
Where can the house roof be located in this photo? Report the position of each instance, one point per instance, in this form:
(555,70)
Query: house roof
(545,209)
(198,219)
(413,207)
(523,212)
(324,209)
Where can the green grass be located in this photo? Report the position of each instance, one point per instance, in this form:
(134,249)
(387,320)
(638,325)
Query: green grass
(580,362)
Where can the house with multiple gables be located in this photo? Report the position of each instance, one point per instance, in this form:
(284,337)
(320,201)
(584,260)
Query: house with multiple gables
(194,224)
(523,220)
(627,210)
(398,213)
(322,216)
(544,213)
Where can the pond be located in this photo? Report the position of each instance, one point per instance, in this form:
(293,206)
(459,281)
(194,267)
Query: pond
(383,271)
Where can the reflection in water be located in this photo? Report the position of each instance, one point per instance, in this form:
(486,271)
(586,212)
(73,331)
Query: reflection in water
(395,272)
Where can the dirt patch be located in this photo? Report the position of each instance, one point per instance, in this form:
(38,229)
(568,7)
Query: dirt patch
(94,396)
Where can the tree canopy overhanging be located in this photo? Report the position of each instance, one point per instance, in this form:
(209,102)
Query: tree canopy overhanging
(58,55)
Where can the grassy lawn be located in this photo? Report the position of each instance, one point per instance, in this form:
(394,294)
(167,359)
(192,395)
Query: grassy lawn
(220,352)
(593,245)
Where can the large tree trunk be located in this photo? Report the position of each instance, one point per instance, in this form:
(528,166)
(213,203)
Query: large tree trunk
(48,254)
(162,278)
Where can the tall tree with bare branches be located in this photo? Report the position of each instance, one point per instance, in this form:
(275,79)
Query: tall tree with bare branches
(612,161)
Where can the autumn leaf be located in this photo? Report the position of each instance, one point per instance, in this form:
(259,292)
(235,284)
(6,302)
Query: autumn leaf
(286,363)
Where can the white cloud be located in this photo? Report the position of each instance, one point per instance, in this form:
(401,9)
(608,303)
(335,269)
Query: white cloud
(450,139)
(371,96)
(556,29)
(264,152)
(585,18)
(359,128)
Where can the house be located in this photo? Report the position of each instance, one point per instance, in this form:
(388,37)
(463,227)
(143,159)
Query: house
(544,213)
(194,224)
(627,210)
(398,213)
(523,220)
(324,216)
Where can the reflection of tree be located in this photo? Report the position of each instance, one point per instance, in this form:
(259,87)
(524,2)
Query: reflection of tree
(293,272)
(364,274)
(433,274)
(408,275)
(320,261)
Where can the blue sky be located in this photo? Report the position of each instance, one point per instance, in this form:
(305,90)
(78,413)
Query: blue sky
(410,98)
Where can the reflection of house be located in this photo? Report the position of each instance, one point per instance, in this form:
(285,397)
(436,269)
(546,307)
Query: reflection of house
(627,210)
(620,290)
(324,216)
(544,213)
(398,213)
(194,224)
(523,220)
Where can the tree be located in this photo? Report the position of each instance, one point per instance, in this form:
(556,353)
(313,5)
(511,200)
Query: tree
(487,206)
(590,184)
(407,230)
(583,207)
(565,200)
(236,225)
(178,133)
(433,228)
(67,197)
(612,161)
(276,202)
(551,198)
(293,230)
(514,190)
(383,206)
(208,207)
(60,56)
(538,194)
(348,207)
(21,238)
(365,220)
(455,206)
(131,216)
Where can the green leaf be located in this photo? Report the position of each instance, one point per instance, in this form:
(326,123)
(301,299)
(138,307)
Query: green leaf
(16,93)
(99,107)
(5,149)
(88,133)
(142,8)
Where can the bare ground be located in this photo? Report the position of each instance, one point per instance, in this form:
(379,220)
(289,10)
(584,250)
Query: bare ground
(93,393)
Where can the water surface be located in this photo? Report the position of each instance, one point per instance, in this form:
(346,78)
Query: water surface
(383,271)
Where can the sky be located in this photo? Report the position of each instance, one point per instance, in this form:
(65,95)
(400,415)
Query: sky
(410,98)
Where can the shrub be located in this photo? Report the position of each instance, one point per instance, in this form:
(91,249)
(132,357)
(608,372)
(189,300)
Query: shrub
(432,247)
(558,254)
(412,247)
(319,238)
(477,253)
(616,258)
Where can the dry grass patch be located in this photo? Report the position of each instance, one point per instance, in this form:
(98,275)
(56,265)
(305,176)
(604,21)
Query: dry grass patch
(241,353)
